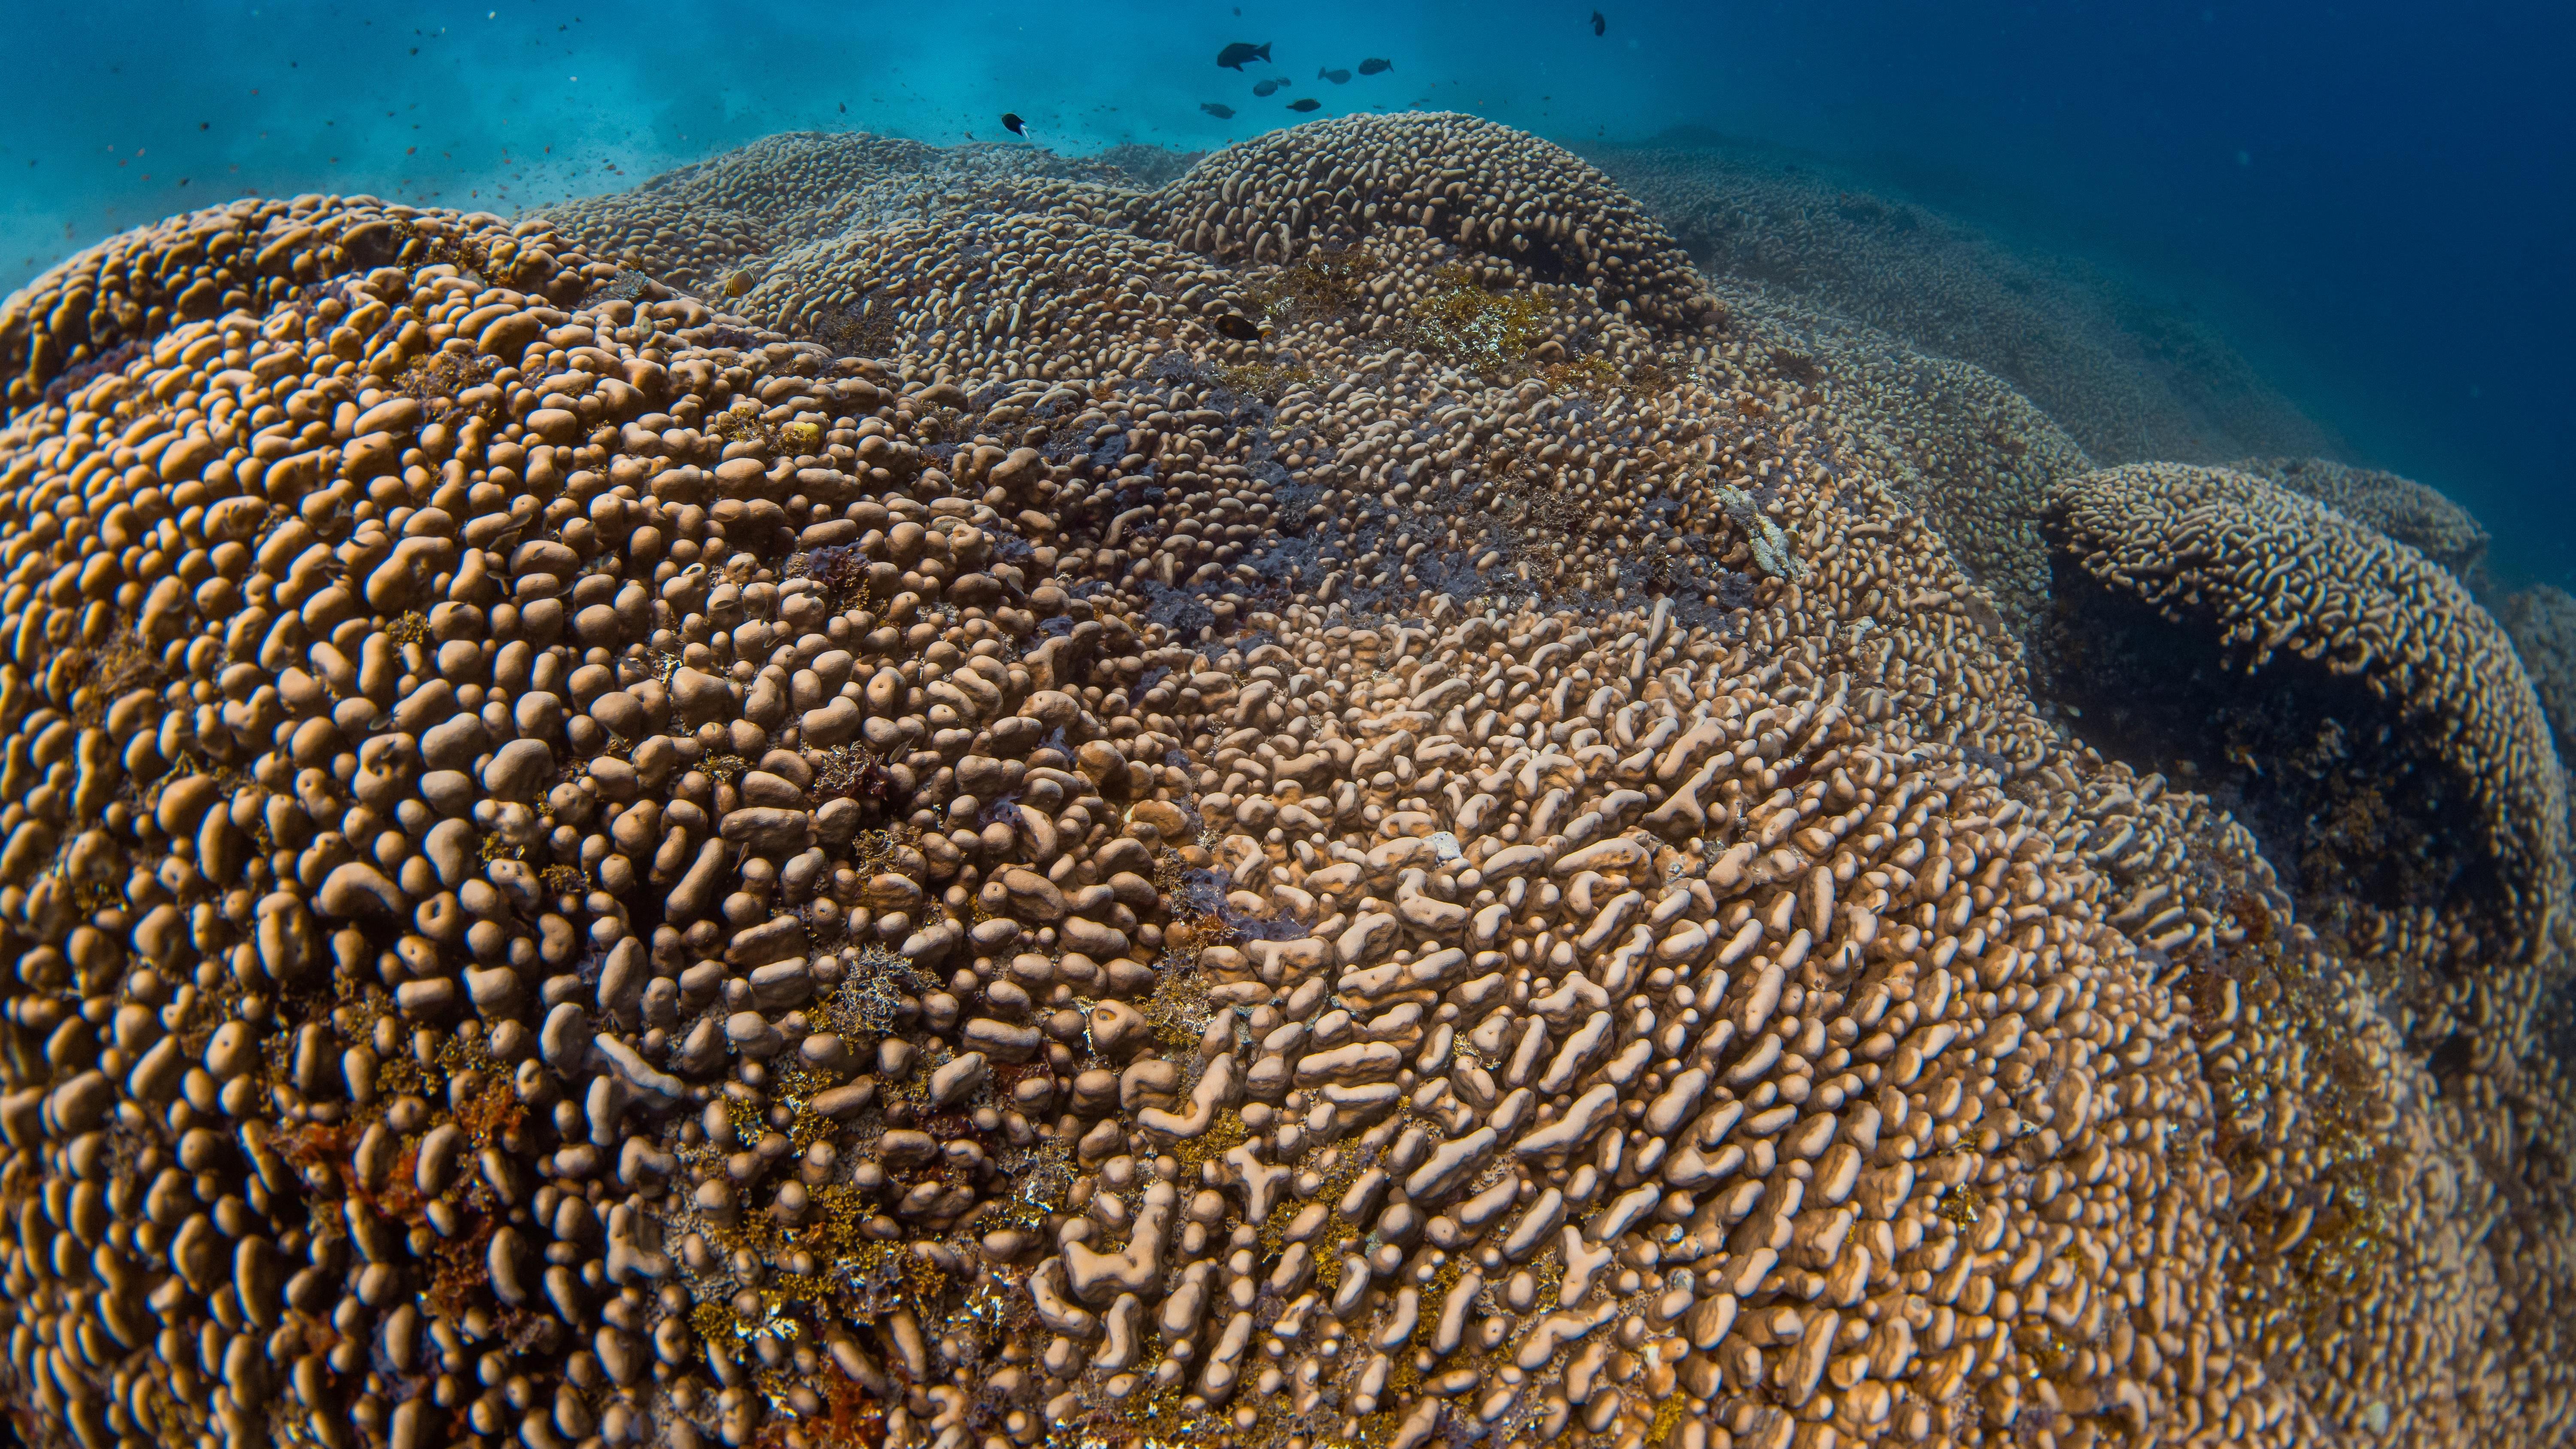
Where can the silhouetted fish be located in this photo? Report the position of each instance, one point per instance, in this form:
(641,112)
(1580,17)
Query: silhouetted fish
(1598,24)
(1238,327)
(1263,88)
(1013,124)
(1233,56)
(1308,104)
(1337,77)
(1222,113)
(1373,65)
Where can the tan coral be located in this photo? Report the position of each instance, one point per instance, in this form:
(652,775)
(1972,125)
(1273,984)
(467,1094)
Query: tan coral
(1843,1127)
(695,227)
(2127,375)
(2542,620)
(1976,456)
(1465,180)
(2402,508)
(997,297)
(2268,571)
(93,312)
(583,863)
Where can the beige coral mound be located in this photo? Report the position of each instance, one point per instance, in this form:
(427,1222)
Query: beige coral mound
(1035,831)
(2269,571)
(693,227)
(92,312)
(1465,180)
(2352,1163)
(1481,187)
(1721,901)
(997,296)
(798,182)
(2542,620)
(476,837)
(1954,440)
(2402,508)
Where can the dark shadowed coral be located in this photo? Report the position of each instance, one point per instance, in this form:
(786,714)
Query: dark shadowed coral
(2542,620)
(2262,571)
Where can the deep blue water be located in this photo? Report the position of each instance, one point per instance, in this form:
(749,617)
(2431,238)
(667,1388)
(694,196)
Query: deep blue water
(2372,200)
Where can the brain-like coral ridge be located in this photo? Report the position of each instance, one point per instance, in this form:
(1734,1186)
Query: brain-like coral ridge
(1480,188)
(580,869)
(2269,570)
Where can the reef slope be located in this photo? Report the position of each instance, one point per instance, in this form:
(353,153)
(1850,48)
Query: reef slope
(1324,802)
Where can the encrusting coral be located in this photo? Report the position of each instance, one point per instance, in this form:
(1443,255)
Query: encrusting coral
(2268,572)
(2402,508)
(968,854)
(2542,620)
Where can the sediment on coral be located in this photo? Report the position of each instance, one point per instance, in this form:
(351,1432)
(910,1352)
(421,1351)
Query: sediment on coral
(943,847)
(2128,377)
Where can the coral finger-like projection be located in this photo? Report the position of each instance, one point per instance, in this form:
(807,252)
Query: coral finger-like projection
(2402,508)
(1464,181)
(880,796)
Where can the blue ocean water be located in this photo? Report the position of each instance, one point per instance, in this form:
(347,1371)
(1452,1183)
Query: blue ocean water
(2370,200)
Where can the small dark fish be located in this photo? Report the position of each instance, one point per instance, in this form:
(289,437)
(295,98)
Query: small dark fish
(1373,65)
(1233,56)
(1308,104)
(1263,88)
(1337,77)
(1222,113)
(1013,124)
(1238,327)
(1598,24)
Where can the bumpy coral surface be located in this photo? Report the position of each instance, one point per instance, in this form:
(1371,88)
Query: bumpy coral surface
(2402,508)
(2542,620)
(1979,459)
(2268,571)
(1315,806)
(698,226)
